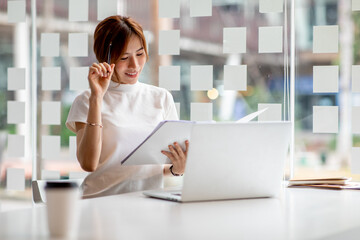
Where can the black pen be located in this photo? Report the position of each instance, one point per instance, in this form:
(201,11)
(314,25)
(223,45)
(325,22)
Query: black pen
(109,54)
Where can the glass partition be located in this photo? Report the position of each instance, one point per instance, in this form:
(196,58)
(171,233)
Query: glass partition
(220,59)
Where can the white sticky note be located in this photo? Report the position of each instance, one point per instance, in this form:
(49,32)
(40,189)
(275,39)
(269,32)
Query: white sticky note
(169,8)
(16,145)
(326,39)
(201,112)
(106,8)
(50,44)
(201,77)
(169,77)
(325,119)
(78,175)
(72,147)
(273,112)
(51,113)
(355,5)
(51,78)
(326,79)
(78,10)
(271,39)
(355,79)
(177,105)
(15,112)
(235,77)
(16,79)
(15,179)
(169,42)
(355,122)
(78,78)
(16,11)
(50,147)
(355,160)
(234,40)
(271,6)
(78,44)
(50,175)
(200,8)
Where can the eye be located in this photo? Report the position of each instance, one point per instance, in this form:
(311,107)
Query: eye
(123,59)
(139,54)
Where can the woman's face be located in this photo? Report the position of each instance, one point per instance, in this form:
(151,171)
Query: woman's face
(131,63)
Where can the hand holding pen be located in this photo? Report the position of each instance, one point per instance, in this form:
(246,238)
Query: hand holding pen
(100,76)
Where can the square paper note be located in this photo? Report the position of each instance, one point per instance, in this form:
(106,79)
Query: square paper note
(325,119)
(15,179)
(50,147)
(355,120)
(78,78)
(326,39)
(169,42)
(169,8)
(169,77)
(271,6)
(51,78)
(50,175)
(16,79)
(72,147)
(106,8)
(355,160)
(201,112)
(270,39)
(273,112)
(235,77)
(16,145)
(200,8)
(326,79)
(355,5)
(355,86)
(201,78)
(51,113)
(234,40)
(78,10)
(78,44)
(15,112)
(16,11)
(50,44)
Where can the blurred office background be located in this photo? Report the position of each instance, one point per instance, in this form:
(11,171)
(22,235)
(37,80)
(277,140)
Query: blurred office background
(221,60)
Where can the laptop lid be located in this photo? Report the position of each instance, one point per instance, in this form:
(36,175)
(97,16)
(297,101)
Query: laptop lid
(235,160)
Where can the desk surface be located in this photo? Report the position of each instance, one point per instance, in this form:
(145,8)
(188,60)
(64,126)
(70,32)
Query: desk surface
(296,214)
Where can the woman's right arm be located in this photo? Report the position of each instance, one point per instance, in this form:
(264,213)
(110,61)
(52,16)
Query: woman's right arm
(89,137)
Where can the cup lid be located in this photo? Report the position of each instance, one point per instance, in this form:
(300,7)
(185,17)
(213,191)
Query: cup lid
(60,184)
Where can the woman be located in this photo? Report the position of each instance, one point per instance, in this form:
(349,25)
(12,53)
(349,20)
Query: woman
(118,113)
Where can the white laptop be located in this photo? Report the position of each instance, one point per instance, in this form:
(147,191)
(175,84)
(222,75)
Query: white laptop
(232,161)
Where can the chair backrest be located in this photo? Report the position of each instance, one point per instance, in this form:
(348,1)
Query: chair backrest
(38,188)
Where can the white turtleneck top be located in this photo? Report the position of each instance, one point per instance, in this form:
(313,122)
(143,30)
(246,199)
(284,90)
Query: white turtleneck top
(129,114)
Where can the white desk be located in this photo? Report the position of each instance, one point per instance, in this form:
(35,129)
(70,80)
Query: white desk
(296,214)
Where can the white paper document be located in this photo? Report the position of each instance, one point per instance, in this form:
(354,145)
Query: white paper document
(165,133)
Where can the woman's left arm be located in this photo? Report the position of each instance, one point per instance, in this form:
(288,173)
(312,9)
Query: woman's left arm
(178,157)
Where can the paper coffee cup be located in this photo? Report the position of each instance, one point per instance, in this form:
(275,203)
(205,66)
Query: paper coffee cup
(62,200)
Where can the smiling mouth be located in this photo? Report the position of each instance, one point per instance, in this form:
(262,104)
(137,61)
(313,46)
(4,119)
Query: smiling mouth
(132,74)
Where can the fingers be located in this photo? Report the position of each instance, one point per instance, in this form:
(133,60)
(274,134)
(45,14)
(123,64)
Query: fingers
(186,147)
(179,151)
(102,69)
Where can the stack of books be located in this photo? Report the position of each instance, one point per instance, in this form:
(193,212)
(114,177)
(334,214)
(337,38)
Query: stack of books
(328,183)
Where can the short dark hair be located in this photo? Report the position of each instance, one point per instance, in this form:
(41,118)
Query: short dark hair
(116,30)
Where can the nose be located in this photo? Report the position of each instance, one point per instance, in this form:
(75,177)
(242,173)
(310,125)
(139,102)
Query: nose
(133,63)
